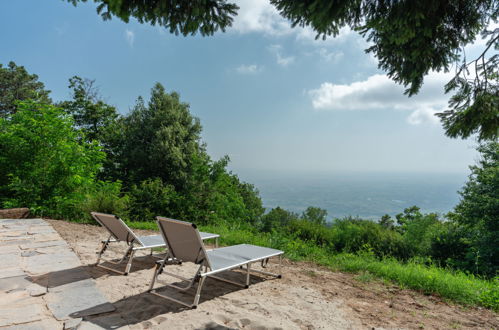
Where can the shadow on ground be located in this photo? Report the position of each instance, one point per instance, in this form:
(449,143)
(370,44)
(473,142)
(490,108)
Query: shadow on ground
(70,275)
(146,306)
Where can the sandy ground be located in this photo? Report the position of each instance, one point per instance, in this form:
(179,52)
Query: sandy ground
(307,297)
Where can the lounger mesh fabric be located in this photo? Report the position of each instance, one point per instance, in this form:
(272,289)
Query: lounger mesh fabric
(185,244)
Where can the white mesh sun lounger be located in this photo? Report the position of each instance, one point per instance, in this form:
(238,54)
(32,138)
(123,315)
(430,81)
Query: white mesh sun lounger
(185,244)
(120,232)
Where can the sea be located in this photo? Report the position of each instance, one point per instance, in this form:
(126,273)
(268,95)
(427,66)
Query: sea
(364,195)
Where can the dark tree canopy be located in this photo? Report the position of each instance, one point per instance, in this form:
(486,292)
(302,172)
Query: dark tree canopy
(16,84)
(179,16)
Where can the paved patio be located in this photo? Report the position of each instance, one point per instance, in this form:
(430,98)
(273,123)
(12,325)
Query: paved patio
(42,282)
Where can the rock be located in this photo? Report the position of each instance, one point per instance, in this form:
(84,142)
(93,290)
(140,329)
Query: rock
(72,324)
(19,213)
(36,290)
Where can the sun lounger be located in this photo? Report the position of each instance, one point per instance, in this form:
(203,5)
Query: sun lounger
(185,244)
(120,232)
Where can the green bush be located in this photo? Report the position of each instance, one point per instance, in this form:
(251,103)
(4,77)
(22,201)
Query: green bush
(45,164)
(105,197)
(151,198)
(352,235)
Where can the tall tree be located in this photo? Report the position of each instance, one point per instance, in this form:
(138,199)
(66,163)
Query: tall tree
(478,209)
(16,84)
(160,140)
(90,112)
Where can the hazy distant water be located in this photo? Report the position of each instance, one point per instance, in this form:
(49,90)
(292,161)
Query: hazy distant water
(367,195)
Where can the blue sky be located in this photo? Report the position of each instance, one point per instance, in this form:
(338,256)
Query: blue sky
(270,97)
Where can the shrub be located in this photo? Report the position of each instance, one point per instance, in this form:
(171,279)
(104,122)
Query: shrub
(105,197)
(45,164)
(151,198)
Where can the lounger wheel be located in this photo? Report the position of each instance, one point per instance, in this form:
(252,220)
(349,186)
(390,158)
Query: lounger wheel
(279,276)
(246,286)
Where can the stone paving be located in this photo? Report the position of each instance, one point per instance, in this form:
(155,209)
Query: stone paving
(43,284)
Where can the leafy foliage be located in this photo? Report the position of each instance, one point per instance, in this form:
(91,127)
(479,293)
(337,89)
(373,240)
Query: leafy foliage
(105,197)
(16,84)
(180,17)
(44,163)
(151,198)
(159,140)
(91,114)
(479,208)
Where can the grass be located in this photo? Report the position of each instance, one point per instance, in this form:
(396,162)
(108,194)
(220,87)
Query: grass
(455,286)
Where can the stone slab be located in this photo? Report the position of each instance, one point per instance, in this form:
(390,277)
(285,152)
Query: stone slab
(11,272)
(34,245)
(46,324)
(15,283)
(18,311)
(9,249)
(77,299)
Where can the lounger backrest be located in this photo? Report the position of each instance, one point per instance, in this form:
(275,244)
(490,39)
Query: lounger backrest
(183,240)
(116,227)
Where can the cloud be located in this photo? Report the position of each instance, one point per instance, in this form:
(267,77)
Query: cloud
(327,56)
(423,115)
(249,69)
(379,92)
(130,37)
(259,16)
(281,60)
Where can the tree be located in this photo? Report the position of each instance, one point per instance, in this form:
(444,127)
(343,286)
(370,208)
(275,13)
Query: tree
(411,38)
(90,112)
(315,215)
(159,140)
(387,222)
(44,163)
(478,209)
(277,219)
(179,16)
(16,84)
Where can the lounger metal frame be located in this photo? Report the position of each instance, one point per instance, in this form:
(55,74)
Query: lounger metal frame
(131,239)
(200,275)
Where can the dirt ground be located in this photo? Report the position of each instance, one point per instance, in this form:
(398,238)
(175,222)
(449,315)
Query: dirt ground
(307,297)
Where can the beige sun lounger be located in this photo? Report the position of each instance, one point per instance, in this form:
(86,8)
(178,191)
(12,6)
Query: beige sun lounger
(120,232)
(185,244)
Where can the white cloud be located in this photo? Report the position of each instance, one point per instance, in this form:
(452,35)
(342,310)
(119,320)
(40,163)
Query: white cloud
(380,92)
(334,56)
(259,16)
(423,115)
(130,37)
(281,60)
(249,69)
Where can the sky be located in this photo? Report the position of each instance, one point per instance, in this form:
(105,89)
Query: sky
(269,96)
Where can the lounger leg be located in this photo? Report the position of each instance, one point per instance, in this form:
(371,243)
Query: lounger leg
(198,292)
(248,267)
(155,276)
(216,242)
(103,248)
(130,259)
